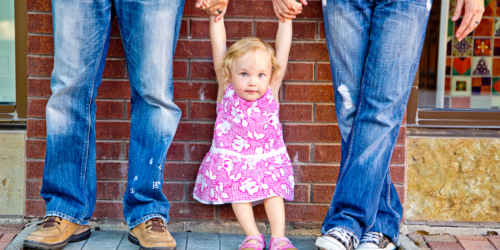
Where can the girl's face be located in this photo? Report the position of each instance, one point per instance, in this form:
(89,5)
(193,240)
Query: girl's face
(251,75)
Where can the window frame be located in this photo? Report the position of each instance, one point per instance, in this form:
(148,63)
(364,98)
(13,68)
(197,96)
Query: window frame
(448,118)
(21,43)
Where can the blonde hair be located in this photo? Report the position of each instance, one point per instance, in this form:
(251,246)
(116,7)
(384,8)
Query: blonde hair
(240,48)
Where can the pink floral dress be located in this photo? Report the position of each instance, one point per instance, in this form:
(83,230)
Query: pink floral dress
(248,161)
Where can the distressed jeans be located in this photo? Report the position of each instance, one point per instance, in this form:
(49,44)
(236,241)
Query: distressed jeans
(149,31)
(374,49)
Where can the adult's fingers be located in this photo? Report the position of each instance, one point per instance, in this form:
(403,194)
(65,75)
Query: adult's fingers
(286,11)
(214,8)
(469,12)
(472,25)
(304,2)
(278,14)
(288,4)
(281,10)
(198,3)
(458,10)
(206,4)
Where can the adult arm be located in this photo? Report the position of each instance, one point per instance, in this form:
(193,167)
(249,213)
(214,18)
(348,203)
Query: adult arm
(472,16)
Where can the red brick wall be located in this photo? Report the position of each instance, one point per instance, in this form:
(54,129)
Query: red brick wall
(308,113)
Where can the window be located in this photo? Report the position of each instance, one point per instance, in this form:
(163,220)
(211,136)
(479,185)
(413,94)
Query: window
(458,83)
(13,44)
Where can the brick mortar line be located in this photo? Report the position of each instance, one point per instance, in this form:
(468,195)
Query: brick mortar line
(311,123)
(256,19)
(187,101)
(214,81)
(37,77)
(321,83)
(205,18)
(299,163)
(40,34)
(39,12)
(295,41)
(332,164)
(314,115)
(263,19)
(305,143)
(201,39)
(254,27)
(193,182)
(311,193)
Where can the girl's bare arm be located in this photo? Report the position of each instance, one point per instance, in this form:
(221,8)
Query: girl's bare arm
(283,44)
(218,40)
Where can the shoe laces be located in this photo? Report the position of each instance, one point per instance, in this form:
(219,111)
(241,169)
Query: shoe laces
(51,221)
(345,236)
(157,225)
(372,237)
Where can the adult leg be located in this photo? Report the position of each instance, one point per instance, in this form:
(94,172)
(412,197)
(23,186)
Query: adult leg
(347,29)
(81,38)
(396,38)
(149,32)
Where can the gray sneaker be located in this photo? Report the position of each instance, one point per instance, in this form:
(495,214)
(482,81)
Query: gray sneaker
(376,241)
(337,239)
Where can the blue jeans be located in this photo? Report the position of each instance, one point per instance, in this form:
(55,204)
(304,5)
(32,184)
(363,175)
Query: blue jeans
(374,49)
(149,31)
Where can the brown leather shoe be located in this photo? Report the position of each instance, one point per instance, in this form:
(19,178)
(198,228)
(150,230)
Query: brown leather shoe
(152,235)
(56,233)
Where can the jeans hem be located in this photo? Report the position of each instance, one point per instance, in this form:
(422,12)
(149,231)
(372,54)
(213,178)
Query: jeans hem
(395,240)
(67,217)
(145,218)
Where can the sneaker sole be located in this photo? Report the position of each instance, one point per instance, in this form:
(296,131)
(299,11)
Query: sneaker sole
(30,244)
(135,241)
(324,244)
(391,246)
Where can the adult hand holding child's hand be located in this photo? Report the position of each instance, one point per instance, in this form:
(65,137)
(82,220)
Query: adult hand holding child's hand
(213,7)
(287,8)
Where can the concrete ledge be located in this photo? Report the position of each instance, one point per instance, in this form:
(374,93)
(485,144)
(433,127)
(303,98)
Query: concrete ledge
(204,226)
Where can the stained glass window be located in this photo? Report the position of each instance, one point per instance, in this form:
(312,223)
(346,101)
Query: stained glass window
(468,72)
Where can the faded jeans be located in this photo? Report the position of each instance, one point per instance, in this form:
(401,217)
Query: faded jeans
(374,49)
(149,31)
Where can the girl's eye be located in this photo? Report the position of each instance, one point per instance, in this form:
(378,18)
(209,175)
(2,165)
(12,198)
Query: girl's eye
(243,74)
(261,75)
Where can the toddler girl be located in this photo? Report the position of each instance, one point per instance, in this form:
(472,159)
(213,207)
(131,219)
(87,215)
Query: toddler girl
(248,162)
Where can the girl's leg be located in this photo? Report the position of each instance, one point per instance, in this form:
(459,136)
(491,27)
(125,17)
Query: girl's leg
(244,214)
(275,210)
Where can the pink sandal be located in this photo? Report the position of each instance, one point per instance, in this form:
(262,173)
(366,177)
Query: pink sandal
(275,244)
(260,245)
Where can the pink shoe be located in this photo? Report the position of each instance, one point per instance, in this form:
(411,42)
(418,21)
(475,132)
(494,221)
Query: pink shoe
(275,244)
(260,245)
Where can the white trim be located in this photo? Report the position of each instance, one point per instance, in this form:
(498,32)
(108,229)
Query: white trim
(214,150)
(443,36)
(254,202)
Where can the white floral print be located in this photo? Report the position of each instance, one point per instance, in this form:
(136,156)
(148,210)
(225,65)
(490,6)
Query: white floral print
(248,159)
